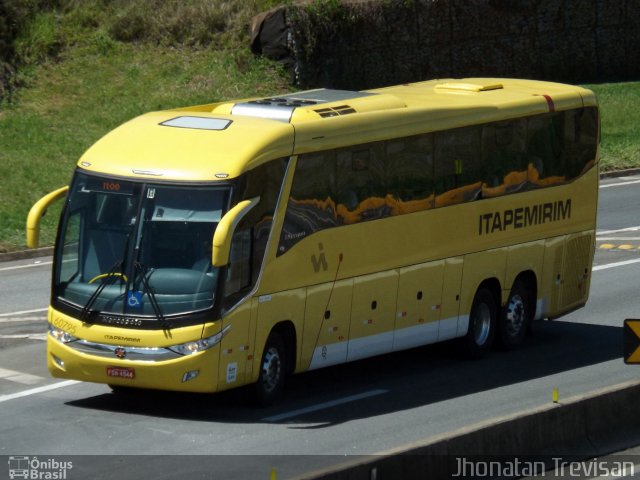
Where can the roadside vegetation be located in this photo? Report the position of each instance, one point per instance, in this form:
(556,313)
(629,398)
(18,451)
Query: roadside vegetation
(86,66)
(620,130)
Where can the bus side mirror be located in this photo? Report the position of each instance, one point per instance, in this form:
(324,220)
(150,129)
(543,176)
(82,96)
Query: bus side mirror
(223,235)
(37,212)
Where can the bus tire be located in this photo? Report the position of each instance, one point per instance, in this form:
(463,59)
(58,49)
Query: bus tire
(273,368)
(515,318)
(482,324)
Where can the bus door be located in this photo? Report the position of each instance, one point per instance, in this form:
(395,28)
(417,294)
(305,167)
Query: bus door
(326,325)
(373,309)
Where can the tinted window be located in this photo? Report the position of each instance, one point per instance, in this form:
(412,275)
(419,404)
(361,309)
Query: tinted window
(545,149)
(250,239)
(358,184)
(459,169)
(503,154)
(411,174)
(584,142)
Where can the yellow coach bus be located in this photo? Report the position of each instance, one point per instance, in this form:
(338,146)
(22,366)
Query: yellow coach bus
(220,245)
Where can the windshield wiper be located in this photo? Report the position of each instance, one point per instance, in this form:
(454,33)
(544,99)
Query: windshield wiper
(118,265)
(148,289)
(108,278)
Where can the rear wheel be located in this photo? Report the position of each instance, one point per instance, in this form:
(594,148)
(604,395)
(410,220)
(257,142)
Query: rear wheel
(516,317)
(482,324)
(270,384)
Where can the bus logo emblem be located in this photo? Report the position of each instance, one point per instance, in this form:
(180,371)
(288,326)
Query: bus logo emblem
(120,352)
(320,261)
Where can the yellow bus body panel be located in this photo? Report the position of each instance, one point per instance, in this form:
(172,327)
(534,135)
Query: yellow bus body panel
(362,288)
(166,375)
(142,148)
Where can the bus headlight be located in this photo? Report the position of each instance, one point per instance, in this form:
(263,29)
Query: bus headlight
(195,346)
(61,335)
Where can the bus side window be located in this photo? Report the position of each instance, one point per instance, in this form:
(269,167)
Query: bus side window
(582,151)
(410,163)
(239,268)
(458,166)
(545,147)
(360,183)
(346,189)
(503,145)
(311,205)
(264,182)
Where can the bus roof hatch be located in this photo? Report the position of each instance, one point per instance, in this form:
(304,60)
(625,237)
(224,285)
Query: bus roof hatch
(281,107)
(469,87)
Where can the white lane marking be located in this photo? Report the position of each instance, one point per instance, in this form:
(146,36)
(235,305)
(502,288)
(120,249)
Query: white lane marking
(322,406)
(31,265)
(23,320)
(19,377)
(631,182)
(616,264)
(23,312)
(630,178)
(609,232)
(29,336)
(612,239)
(34,391)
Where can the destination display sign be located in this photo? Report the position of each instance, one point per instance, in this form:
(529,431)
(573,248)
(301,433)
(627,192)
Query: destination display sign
(108,186)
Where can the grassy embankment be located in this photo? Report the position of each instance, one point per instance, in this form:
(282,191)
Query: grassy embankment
(620,142)
(89,66)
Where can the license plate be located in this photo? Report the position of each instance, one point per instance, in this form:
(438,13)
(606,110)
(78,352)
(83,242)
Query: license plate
(121,372)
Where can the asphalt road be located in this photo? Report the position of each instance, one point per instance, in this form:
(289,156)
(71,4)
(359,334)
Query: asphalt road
(362,408)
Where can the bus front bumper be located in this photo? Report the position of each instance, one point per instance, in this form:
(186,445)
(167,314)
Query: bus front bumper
(134,367)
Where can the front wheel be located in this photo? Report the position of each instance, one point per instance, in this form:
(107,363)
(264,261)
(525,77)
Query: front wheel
(270,384)
(482,324)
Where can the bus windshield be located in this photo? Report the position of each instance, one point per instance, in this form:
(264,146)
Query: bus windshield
(137,249)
